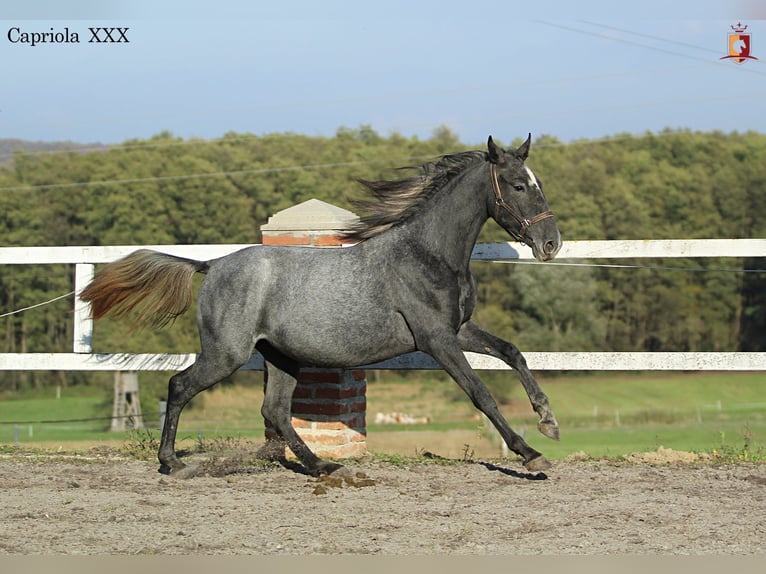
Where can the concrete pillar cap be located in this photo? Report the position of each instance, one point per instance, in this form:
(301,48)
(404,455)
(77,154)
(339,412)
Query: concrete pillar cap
(311,215)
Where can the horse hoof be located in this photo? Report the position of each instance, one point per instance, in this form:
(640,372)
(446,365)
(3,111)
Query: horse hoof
(537,464)
(179,470)
(549,429)
(168,469)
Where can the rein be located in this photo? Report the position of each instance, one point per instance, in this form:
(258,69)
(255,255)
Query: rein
(501,203)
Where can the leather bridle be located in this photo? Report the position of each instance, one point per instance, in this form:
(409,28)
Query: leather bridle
(501,203)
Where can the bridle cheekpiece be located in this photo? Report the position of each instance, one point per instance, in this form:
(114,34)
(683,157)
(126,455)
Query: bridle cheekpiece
(500,203)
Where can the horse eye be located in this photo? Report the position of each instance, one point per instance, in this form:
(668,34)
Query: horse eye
(518,187)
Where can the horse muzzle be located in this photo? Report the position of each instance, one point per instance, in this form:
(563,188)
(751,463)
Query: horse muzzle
(545,248)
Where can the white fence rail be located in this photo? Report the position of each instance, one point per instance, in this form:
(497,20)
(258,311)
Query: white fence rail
(85,258)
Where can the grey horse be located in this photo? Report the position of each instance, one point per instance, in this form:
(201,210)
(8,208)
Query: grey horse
(404,285)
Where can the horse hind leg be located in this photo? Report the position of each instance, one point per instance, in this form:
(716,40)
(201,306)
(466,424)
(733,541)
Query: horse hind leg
(277,406)
(184,386)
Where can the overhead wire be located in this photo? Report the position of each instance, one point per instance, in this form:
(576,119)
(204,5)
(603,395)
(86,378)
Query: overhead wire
(660,49)
(48,302)
(651,37)
(626,266)
(643,45)
(196,175)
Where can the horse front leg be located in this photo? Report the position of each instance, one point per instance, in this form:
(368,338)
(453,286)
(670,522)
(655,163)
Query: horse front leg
(475,339)
(450,356)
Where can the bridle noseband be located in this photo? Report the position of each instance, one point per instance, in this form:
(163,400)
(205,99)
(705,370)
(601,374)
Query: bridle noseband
(501,203)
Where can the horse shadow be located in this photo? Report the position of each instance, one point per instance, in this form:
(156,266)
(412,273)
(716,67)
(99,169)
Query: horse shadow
(298,468)
(513,473)
(493,467)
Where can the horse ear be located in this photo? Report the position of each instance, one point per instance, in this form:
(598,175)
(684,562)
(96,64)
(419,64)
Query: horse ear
(493,150)
(523,150)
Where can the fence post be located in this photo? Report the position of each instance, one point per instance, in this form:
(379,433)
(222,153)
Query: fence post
(83,325)
(329,405)
(126,409)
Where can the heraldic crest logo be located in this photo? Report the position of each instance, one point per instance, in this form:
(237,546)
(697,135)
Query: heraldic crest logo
(740,45)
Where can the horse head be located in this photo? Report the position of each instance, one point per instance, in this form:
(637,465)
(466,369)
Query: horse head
(518,204)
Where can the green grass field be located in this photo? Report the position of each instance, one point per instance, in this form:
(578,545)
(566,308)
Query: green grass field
(615,415)
(603,415)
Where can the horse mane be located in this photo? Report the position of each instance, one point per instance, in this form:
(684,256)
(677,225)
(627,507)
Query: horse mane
(395,201)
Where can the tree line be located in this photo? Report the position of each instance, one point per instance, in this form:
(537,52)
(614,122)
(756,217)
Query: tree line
(167,190)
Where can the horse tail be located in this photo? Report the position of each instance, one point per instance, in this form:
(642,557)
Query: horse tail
(157,286)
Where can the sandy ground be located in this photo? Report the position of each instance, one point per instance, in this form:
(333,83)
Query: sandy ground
(101,505)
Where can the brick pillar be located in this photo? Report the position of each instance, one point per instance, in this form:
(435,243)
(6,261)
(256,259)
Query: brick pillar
(329,405)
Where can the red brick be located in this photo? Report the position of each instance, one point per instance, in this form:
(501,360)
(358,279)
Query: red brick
(357,407)
(336,392)
(359,374)
(303,392)
(286,240)
(317,408)
(329,376)
(325,439)
(330,425)
(358,437)
(299,423)
(326,240)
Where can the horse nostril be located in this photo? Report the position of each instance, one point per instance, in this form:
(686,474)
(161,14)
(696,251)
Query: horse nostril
(549,247)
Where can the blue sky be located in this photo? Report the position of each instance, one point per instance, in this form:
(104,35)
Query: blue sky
(568,69)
